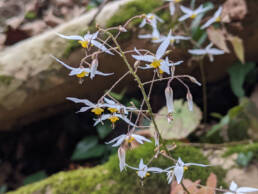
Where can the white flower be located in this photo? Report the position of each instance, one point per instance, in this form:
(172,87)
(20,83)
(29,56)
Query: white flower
(151,19)
(155,35)
(81,72)
(207,51)
(172,38)
(97,109)
(121,157)
(156,61)
(189,100)
(143,170)
(87,40)
(215,18)
(240,190)
(172,5)
(179,169)
(113,119)
(114,107)
(129,138)
(189,13)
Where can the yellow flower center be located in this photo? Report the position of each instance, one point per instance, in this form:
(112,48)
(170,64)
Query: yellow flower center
(185,168)
(130,139)
(113,119)
(218,19)
(172,41)
(177,1)
(147,174)
(97,111)
(84,43)
(155,38)
(193,16)
(82,74)
(151,17)
(156,63)
(112,110)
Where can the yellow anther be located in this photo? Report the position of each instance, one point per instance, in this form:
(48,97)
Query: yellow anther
(172,41)
(218,19)
(185,168)
(112,110)
(113,119)
(156,63)
(82,74)
(84,43)
(177,1)
(155,38)
(160,71)
(193,16)
(147,174)
(151,17)
(130,140)
(97,111)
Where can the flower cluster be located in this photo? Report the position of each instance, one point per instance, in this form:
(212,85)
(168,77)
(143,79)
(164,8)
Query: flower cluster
(163,68)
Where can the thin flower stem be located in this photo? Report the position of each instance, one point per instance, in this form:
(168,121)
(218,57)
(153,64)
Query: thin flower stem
(204,91)
(184,187)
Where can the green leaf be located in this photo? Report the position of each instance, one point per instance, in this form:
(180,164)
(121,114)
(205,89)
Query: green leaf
(35,177)
(183,124)
(104,130)
(243,159)
(238,74)
(88,148)
(223,122)
(238,47)
(119,96)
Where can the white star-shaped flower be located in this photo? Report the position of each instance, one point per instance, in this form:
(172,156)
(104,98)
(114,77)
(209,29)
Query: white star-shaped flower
(172,5)
(151,19)
(207,51)
(155,35)
(155,61)
(114,107)
(172,38)
(178,170)
(113,119)
(189,13)
(81,72)
(87,40)
(240,190)
(143,170)
(97,109)
(215,18)
(128,138)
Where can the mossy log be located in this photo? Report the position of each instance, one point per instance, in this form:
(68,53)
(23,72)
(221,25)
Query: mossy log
(34,86)
(108,179)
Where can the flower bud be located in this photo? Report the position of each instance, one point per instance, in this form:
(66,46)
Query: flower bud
(122,29)
(169,99)
(93,68)
(192,79)
(121,157)
(189,100)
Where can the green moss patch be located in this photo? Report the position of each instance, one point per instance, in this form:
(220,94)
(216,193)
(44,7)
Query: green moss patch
(108,179)
(5,79)
(243,149)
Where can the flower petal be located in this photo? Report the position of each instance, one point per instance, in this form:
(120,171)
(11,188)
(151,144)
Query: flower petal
(72,37)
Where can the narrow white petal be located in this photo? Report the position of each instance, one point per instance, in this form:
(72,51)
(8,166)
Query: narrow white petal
(143,23)
(186,10)
(184,17)
(181,37)
(233,186)
(119,141)
(145,67)
(101,47)
(214,51)
(62,63)
(125,119)
(164,66)
(72,37)
(155,170)
(197,51)
(102,118)
(76,71)
(84,109)
(171,8)
(163,47)
(141,164)
(116,138)
(208,23)
(179,172)
(145,36)
(109,101)
(196,164)
(147,58)
(139,137)
(77,100)
(103,74)
(247,189)
(218,12)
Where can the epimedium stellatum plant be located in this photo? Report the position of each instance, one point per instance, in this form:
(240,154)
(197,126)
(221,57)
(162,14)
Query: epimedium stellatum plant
(163,68)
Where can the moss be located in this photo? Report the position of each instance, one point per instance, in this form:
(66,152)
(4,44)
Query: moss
(5,79)
(243,149)
(30,15)
(108,179)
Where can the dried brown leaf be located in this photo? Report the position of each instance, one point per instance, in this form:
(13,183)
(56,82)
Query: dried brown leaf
(234,10)
(217,37)
(238,47)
